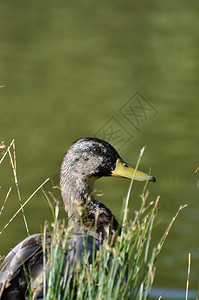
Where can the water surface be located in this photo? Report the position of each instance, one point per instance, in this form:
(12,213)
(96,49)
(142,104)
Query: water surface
(68,69)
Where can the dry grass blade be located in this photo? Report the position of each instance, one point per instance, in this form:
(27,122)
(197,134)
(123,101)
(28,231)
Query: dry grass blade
(2,147)
(8,193)
(24,205)
(14,170)
(196,171)
(5,151)
(161,243)
(188,276)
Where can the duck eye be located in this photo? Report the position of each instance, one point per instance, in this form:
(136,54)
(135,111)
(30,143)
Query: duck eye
(96,150)
(125,165)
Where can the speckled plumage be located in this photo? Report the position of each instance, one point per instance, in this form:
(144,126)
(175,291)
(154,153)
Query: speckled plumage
(80,168)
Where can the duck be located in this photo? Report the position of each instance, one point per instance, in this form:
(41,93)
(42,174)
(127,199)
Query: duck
(87,160)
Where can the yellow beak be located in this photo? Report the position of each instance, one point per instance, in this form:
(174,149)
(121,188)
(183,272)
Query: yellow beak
(123,169)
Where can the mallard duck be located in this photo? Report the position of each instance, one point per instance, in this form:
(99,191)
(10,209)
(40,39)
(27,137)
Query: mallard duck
(86,160)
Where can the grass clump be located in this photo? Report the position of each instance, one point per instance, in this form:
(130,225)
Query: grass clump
(123,270)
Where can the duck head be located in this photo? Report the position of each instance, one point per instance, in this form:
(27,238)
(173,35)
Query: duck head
(87,160)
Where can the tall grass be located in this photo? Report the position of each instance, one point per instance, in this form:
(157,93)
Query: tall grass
(124,269)
(10,151)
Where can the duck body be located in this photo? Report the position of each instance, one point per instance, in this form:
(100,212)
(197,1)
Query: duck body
(29,252)
(86,160)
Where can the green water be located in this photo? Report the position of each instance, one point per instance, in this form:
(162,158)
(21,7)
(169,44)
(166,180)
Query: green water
(71,69)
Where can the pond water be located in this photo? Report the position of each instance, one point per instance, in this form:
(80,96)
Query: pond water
(124,71)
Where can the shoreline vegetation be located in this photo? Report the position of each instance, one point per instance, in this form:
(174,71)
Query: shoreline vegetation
(123,270)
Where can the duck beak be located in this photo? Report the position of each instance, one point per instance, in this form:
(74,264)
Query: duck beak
(123,169)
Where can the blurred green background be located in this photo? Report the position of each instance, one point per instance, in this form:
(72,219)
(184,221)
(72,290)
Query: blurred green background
(68,68)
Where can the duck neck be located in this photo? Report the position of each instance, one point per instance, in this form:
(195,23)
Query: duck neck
(83,208)
(76,193)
